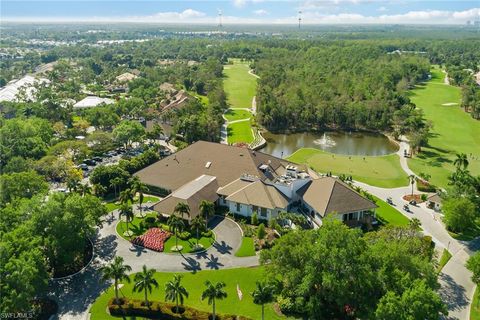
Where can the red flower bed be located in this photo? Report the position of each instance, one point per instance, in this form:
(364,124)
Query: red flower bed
(153,239)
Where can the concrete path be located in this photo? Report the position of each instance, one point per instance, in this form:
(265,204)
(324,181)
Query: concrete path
(253,74)
(75,294)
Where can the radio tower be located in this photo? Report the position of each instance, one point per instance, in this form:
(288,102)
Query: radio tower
(299,18)
(219,18)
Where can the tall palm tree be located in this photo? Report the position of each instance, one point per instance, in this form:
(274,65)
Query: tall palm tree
(144,281)
(114,183)
(126,210)
(175,292)
(176,224)
(207,209)
(182,208)
(411,178)
(126,196)
(197,223)
(116,271)
(461,161)
(212,292)
(262,294)
(84,189)
(139,187)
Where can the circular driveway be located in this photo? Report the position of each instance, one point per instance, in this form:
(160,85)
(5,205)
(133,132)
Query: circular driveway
(75,294)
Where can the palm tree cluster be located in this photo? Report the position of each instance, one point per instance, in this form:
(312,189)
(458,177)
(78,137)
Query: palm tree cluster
(174,290)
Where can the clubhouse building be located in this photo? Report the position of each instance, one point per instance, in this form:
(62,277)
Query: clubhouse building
(248,182)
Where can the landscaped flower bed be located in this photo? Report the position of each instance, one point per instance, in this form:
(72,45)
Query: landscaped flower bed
(153,239)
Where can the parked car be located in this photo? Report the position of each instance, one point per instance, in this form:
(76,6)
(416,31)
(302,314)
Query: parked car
(83,166)
(97,159)
(406,208)
(413,202)
(389,200)
(89,162)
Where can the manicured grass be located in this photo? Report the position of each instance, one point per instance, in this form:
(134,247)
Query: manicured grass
(113,205)
(446,255)
(475,310)
(237,114)
(381,171)
(188,245)
(245,278)
(239,132)
(387,214)
(454,131)
(239,85)
(246,249)
(134,226)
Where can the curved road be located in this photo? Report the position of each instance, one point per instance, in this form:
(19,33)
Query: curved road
(75,294)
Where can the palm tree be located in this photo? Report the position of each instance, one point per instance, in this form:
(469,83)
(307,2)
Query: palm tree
(182,208)
(139,187)
(197,224)
(84,189)
(144,281)
(214,292)
(126,196)
(176,224)
(175,292)
(411,178)
(116,271)
(207,209)
(126,210)
(262,294)
(114,183)
(461,161)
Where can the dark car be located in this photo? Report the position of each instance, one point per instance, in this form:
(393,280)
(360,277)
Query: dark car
(97,159)
(89,162)
(83,166)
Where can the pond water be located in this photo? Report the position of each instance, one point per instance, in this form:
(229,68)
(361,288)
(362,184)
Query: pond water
(354,143)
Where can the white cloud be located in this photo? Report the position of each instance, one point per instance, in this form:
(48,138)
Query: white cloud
(382,9)
(260,12)
(239,3)
(308,17)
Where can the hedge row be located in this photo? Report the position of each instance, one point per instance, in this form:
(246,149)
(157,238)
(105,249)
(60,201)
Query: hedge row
(162,311)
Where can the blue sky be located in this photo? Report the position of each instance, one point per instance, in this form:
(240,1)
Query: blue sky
(244,11)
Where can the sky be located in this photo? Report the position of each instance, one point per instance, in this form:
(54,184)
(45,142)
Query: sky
(243,11)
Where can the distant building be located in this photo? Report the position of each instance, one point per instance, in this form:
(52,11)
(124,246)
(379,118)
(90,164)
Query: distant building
(125,77)
(11,90)
(92,101)
(435,202)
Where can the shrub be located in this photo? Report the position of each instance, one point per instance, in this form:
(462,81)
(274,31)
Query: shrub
(207,234)
(162,310)
(185,235)
(254,219)
(424,197)
(290,305)
(261,233)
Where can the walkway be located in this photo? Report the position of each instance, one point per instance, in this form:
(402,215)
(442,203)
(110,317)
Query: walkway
(74,295)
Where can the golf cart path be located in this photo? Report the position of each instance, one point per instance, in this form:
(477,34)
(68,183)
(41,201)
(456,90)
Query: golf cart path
(75,294)
(456,286)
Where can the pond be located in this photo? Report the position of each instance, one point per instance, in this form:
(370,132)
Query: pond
(347,143)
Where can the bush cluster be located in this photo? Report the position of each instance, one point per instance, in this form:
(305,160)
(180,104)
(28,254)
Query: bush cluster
(162,310)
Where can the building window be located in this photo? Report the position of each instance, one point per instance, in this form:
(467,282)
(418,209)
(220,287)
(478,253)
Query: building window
(238,207)
(263,212)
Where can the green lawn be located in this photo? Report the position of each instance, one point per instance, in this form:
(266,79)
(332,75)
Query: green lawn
(454,131)
(239,85)
(446,255)
(246,249)
(113,205)
(188,245)
(387,214)
(475,310)
(194,283)
(240,132)
(381,171)
(237,114)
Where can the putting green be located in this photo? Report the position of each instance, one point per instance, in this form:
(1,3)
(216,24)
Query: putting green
(245,278)
(381,171)
(454,130)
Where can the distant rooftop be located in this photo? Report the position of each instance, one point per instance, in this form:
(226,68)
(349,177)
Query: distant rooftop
(92,101)
(10,91)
